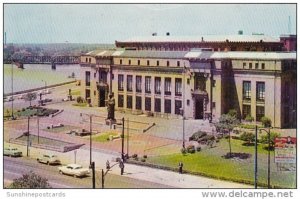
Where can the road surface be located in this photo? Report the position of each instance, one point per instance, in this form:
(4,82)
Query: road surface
(16,167)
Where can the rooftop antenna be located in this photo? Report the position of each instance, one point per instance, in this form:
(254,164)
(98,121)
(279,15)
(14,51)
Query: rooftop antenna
(289,25)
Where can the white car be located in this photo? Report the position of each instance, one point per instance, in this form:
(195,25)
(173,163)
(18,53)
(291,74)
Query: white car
(75,170)
(48,159)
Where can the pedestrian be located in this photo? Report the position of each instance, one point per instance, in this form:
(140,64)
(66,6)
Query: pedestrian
(121,165)
(180,165)
(107,165)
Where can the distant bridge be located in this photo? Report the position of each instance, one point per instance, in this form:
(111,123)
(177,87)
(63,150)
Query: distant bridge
(53,60)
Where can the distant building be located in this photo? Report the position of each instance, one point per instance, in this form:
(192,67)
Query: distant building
(238,42)
(205,84)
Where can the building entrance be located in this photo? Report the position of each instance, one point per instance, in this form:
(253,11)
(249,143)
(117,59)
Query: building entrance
(199,114)
(102,96)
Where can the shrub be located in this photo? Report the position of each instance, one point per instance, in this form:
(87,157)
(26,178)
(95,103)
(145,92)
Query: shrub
(183,151)
(145,156)
(265,139)
(23,109)
(206,138)
(248,137)
(143,160)
(79,99)
(191,149)
(198,148)
(266,121)
(197,135)
(249,118)
(233,113)
(134,155)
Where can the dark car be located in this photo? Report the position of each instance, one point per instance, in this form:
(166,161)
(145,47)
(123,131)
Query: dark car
(83,132)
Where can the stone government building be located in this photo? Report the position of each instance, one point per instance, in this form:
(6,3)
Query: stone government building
(256,75)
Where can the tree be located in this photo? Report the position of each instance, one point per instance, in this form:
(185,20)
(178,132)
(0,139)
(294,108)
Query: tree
(30,181)
(248,138)
(265,139)
(226,124)
(29,97)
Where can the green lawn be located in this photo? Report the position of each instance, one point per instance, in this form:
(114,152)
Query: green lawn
(103,137)
(209,162)
(81,104)
(75,92)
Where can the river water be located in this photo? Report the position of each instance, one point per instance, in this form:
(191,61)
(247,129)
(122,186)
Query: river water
(35,75)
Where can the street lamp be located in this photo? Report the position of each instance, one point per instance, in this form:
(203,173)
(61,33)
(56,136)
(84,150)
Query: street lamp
(45,86)
(122,136)
(183,130)
(12,90)
(90,116)
(269,145)
(28,134)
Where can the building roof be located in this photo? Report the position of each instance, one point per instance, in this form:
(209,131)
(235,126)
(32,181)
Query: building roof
(195,54)
(205,38)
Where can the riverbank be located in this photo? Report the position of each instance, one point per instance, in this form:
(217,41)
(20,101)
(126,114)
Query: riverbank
(39,88)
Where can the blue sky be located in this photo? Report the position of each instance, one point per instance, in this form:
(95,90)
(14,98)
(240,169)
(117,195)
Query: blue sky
(105,23)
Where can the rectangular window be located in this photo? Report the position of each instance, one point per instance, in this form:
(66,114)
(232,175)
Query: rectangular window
(260,91)
(138,84)
(250,65)
(167,86)
(178,106)
(188,102)
(95,75)
(138,103)
(129,62)
(263,66)
(157,105)
(157,63)
(148,84)
(168,63)
(148,103)
(129,83)
(90,60)
(148,63)
(246,110)
(121,61)
(178,63)
(247,90)
(129,101)
(178,86)
(260,112)
(87,78)
(157,85)
(94,92)
(120,82)
(188,81)
(139,62)
(167,106)
(120,100)
(244,65)
(87,93)
(213,83)
(86,59)
(256,65)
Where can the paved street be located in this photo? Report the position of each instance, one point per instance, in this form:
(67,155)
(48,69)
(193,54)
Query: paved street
(15,167)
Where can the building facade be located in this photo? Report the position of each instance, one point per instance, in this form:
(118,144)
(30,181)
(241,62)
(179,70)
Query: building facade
(203,84)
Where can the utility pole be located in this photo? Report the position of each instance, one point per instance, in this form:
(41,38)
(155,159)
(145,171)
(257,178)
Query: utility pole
(90,139)
(38,125)
(128,137)
(269,165)
(27,154)
(102,179)
(93,175)
(123,139)
(255,160)
(12,90)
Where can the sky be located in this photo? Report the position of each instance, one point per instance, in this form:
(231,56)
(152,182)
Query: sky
(105,23)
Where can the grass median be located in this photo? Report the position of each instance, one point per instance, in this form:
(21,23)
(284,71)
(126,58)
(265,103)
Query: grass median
(209,162)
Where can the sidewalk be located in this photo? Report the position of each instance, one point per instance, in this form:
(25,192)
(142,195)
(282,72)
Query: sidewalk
(134,171)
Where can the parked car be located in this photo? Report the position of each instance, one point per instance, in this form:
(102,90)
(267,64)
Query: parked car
(12,152)
(83,132)
(48,159)
(44,101)
(75,170)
